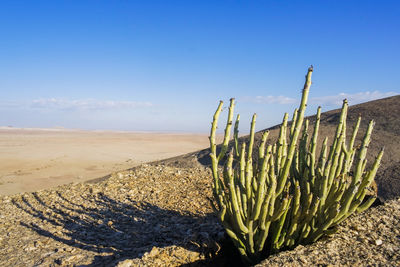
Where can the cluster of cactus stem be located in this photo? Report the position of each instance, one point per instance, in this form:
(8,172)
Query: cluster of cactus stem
(288,195)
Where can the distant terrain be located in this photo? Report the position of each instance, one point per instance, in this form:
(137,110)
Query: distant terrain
(32,158)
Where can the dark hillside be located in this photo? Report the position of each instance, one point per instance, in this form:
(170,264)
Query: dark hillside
(386,114)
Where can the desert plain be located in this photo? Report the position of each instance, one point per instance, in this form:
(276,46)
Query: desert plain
(33,158)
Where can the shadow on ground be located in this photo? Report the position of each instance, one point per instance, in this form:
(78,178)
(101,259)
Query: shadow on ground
(115,231)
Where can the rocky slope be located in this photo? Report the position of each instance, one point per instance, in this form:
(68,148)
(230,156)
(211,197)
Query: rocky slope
(157,215)
(386,114)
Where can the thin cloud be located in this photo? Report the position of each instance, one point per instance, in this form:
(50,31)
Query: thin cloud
(324,100)
(9,104)
(352,98)
(274,99)
(86,104)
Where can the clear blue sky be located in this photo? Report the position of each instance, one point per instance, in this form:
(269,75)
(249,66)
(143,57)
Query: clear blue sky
(164,65)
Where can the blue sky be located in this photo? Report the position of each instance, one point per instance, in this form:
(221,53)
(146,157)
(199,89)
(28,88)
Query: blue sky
(164,65)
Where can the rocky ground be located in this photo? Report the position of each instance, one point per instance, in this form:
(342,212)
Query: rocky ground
(368,239)
(157,215)
(153,214)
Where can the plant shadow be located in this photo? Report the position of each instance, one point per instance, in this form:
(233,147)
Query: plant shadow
(116,230)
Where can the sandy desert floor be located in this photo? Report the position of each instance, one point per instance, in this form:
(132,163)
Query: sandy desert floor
(34,159)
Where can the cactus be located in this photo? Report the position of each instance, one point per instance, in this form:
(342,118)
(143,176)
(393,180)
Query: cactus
(288,196)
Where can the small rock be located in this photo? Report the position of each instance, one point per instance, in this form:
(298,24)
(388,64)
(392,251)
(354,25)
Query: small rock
(30,248)
(378,242)
(125,263)
(154,251)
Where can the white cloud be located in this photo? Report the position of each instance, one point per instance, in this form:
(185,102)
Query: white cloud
(87,104)
(352,98)
(274,99)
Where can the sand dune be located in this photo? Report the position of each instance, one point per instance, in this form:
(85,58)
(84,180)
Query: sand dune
(34,159)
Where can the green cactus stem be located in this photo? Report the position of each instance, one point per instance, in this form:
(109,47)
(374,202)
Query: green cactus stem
(288,195)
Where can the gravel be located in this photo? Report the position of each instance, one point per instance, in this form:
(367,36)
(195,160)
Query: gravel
(158,215)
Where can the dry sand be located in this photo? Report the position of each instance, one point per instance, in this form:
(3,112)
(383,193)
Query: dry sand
(34,159)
